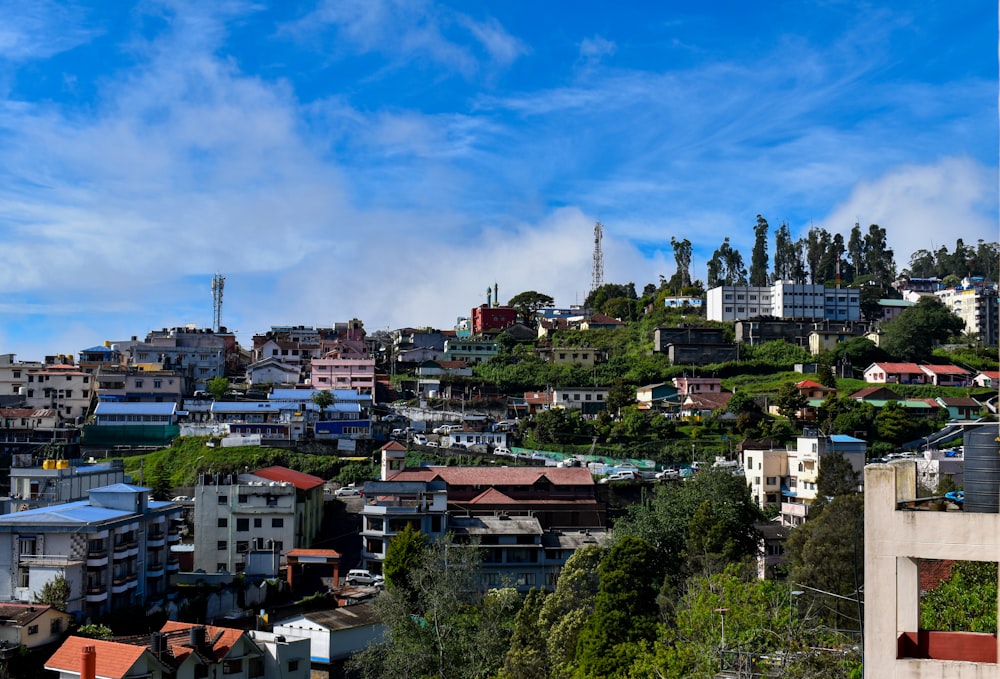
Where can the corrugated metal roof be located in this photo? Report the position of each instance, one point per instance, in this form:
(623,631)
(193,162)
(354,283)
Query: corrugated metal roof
(127,408)
(71,513)
(300,480)
(249,407)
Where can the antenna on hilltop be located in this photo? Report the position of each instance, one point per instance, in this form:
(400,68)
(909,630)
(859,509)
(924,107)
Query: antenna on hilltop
(218,283)
(597,276)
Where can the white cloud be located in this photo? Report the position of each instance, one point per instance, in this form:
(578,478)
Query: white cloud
(594,49)
(924,206)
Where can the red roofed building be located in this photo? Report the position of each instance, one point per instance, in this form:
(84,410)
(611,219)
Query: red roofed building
(486,317)
(947,375)
(895,373)
(432,499)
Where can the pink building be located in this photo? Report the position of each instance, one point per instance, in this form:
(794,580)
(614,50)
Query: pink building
(339,371)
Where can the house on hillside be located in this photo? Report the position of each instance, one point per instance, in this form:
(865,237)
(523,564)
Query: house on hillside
(657,396)
(947,375)
(895,373)
(988,379)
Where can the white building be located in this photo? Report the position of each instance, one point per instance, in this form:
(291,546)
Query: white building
(112,549)
(785,300)
(65,388)
(790,476)
(274,509)
(56,482)
(976,305)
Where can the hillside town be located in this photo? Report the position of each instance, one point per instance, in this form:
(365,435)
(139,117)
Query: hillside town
(257,568)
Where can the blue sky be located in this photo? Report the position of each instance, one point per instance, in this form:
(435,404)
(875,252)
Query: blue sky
(391,160)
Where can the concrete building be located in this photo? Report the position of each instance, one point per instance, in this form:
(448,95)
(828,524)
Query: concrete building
(112,549)
(273,509)
(343,371)
(30,626)
(132,385)
(198,354)
(789,476)
(334,634)
(898,535)
(56,482)
(785,300)
(14,377)
(588,400)
(62,387)
(976,304)
(471,350)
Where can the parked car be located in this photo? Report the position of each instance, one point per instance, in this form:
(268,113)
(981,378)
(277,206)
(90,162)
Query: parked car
(628,476)
(182,498)
(397,433)
(359,576)
(668,475)
(433,444)
(347,491)
(500,450)
(420,439)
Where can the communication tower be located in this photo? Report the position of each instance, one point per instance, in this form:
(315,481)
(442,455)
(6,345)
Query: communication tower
(597,277)
(218,283)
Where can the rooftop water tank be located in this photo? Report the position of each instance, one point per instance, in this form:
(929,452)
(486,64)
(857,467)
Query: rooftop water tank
(982,469)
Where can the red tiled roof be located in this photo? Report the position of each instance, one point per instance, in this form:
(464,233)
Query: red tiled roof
(602,319)
(300,480)
(220,639)
(393,445)
(500,476)
(945,369)
(960,401)
(868,391)
(708,401)
(493,496)
(537,397)
(113,659)
(992,374)
(898,367)
(326,553)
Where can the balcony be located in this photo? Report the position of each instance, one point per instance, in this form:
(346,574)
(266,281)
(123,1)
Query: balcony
(95,594)
(154,570)
(97,558)
(156,538)
(173,564)
(119,585)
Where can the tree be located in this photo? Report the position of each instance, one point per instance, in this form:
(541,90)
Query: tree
(879,260)
(682,257)
(55,593)
(965,602)
(911,336)
(837,476)
(528,656)
(816,245)
(620,395)
(758,258)
(404,556)
(790,401)
(323,400)
(625,609)
(446,625)
(827,554)
(218,387)
(726,266)
(567,609)
(527,305)
(787,256)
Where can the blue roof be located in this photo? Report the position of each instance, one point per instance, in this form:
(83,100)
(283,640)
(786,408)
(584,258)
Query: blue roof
(133,408)
(80,512)
(98,350)
(307,394)
(844,438)
(120,488)
(344,408)
(248,406)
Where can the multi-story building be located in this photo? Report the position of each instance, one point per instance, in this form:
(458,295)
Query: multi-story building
(976,304)
(200,355)
(527,521)
(784,299)
(62,387)
(588,400)
(470,350)
(14,378)
(344,370)
(112,549)
(32,432)
(270,509)
(132,385)
(789,476)
(56,482)
(487,318)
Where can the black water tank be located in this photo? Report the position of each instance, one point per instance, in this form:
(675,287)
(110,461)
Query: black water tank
(982,469)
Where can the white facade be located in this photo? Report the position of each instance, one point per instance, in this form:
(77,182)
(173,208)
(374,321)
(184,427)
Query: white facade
(233,514)
(64,388)
(784,300)
(976,306)
(14,374)
(113,550)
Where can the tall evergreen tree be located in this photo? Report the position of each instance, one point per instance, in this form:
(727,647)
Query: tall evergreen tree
(856,251)
(787,256)
(758,258)
(682,257)
(816,245)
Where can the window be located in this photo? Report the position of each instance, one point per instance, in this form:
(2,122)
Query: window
(138,384)
(277,523)
(223,522)
(242,546)
(257,523)
(242,525)
(157,384)
(293,665)
(56,626)
(770,480)
(222,499)
(32,629)
(242,499)
(222,546)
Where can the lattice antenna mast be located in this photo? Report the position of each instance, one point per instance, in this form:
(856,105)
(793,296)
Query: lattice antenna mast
(597,277)
(218,283)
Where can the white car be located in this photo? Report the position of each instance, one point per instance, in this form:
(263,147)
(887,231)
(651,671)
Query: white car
(347,491)
(629,476)
(668,475)
(420,439)
(500,450)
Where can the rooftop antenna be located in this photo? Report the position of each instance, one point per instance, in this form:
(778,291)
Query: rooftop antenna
(597,276)
(218,283)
